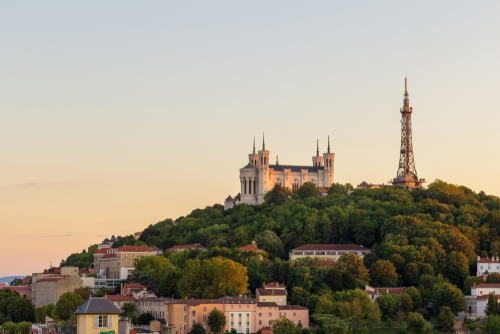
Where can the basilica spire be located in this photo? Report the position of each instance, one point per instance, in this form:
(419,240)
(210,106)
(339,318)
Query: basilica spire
(263,142)
(253,144)
(328,144)
(317,147)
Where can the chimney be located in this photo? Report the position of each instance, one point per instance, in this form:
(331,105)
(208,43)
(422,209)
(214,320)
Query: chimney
(474,285)
(263,284)
(478,258)
(254,243)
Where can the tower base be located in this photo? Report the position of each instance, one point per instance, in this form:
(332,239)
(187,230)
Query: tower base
(408,182)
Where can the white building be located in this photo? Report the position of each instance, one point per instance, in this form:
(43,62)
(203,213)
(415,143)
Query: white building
(259,176)
(475,304)
(486,264)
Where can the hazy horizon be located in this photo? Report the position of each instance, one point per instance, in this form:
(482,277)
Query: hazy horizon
(117,115)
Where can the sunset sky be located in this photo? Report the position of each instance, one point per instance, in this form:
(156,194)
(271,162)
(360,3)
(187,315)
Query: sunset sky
(115,115)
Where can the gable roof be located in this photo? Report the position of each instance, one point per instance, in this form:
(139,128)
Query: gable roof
(250,247)
(274,285)
(134,286)
(338,247)
(487,260)
(487,285)
(98,306)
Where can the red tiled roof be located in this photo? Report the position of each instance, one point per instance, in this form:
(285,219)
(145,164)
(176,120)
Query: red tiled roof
(139,249)
(108,256)
(488,285)
(134,285)
(102,251)
(271,292)
(339,247)
(250,247)
(52,278)
(120,298)
(274,285)
(188,246)
(487,260)
(486,297)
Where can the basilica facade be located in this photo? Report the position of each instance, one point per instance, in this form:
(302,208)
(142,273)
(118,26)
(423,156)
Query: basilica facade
(259,176)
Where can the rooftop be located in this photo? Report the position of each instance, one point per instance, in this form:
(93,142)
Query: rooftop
(335,247)
(52,278)
(271,292)
(98,306)
(188,246)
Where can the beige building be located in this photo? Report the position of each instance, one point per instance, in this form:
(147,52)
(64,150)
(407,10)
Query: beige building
(153,305)
(328,252)
(48,289)
(97,316)
(374,293)
(118,263)
(259,176)
(243,313)
(272,292)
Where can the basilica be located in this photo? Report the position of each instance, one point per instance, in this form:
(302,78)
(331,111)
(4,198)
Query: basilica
(258,176)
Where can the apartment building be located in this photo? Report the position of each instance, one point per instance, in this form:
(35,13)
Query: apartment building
(153,305)
(329,251)
(118,263)
(48,289)
(243,313)
(475,304)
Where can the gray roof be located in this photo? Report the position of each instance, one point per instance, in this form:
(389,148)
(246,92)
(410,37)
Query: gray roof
(98,306)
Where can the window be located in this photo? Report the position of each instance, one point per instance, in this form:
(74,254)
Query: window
(260,314)
(270,322)
(489,267)
(185,327)
(232,315)
(248,323)
(300,321)
(481,267)
(204,309)
(194,313)
(298,253)
(239,323)
(280,314)
(232,306)
(309,253)
(320,253)
(275,299)
(285,314)
(204,318)
(103,321)
(270,314)
(205,327)
(240,306)
(239,315)
(480,292)
(185,318)
(232,323)
(248,314)
(281,299)
(194,321)
(248,306)
(294,314)
(185,308)
(260,322)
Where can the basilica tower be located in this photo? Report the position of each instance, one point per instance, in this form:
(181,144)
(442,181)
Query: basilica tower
(328,159)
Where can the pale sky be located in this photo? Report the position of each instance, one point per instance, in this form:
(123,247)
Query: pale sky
(115,115)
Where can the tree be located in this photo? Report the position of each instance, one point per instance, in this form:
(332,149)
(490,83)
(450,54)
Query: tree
(428,328)
(457,268)
(4,318)
(308,189)
(23,327)
(492,278)
(445,294)
(387,303)
(270,242)
(143,278)
(492,325)
(16,281)
(216,321)
(334,279)
(337,188)
(415,322)
(213,278)
(383,273)
(197,329)
(145,318)
(83,293)
(10,327)
(415,297)
(373,315)
(92,249)
(41,312)
(469,282)
(492,307)
(400,318)
(354,264)
(370,259)
(129,310)
(285,325)
(67,304)
(332,324)
(299,296)
(103,292)
(155,266)
(21,309)
(411,274)
(406,303)
(445,319)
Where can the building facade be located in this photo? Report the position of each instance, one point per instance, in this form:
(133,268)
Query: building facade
(475,304)
(243,313)
(272,292)
(153,305)
(97,316)
(48,290)
(327,252)
(486,264)
(259,176)
(118,263)
(375,293)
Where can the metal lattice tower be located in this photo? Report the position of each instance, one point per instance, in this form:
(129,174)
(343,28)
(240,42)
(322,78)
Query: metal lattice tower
(407,173)
(406,161)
